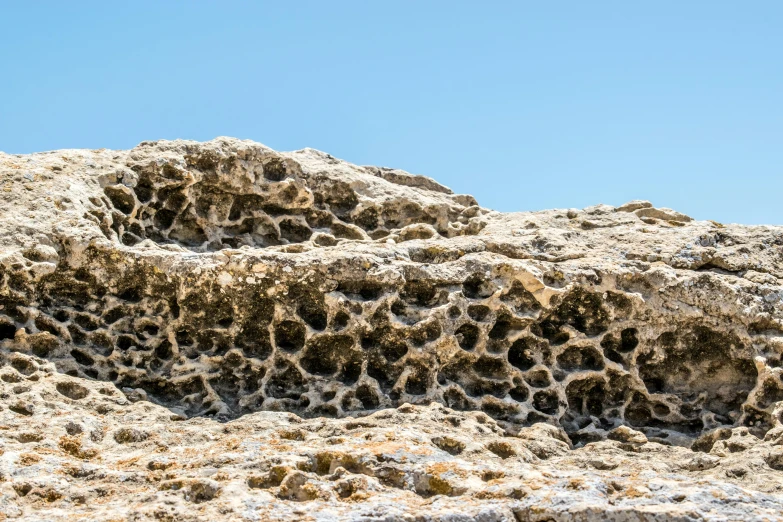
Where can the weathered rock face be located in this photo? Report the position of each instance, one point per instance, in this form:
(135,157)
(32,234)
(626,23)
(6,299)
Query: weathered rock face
(221,279)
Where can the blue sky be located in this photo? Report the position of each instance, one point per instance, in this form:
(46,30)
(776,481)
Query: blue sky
(526,105)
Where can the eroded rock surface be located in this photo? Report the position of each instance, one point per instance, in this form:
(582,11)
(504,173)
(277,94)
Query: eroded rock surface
(230,291)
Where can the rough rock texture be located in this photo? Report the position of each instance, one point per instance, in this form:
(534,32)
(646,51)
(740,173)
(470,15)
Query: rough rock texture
(220,331)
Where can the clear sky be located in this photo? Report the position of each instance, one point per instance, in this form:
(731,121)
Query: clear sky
(526,105)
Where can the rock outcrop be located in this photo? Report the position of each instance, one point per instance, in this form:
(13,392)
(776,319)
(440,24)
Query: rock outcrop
(220,331)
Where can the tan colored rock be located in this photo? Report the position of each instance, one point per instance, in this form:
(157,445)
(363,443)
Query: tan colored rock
(634,205)
(626,434)
(665,214)
(219,331)
(428,460)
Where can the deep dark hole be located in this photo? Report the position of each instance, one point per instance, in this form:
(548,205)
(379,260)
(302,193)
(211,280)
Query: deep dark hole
(7,331)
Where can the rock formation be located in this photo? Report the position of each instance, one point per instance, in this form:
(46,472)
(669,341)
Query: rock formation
(219,331)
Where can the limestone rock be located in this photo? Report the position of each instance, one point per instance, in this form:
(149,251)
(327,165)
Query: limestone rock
(634,205)
(219,331)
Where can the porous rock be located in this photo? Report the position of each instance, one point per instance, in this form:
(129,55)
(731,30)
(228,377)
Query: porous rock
(208,331)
